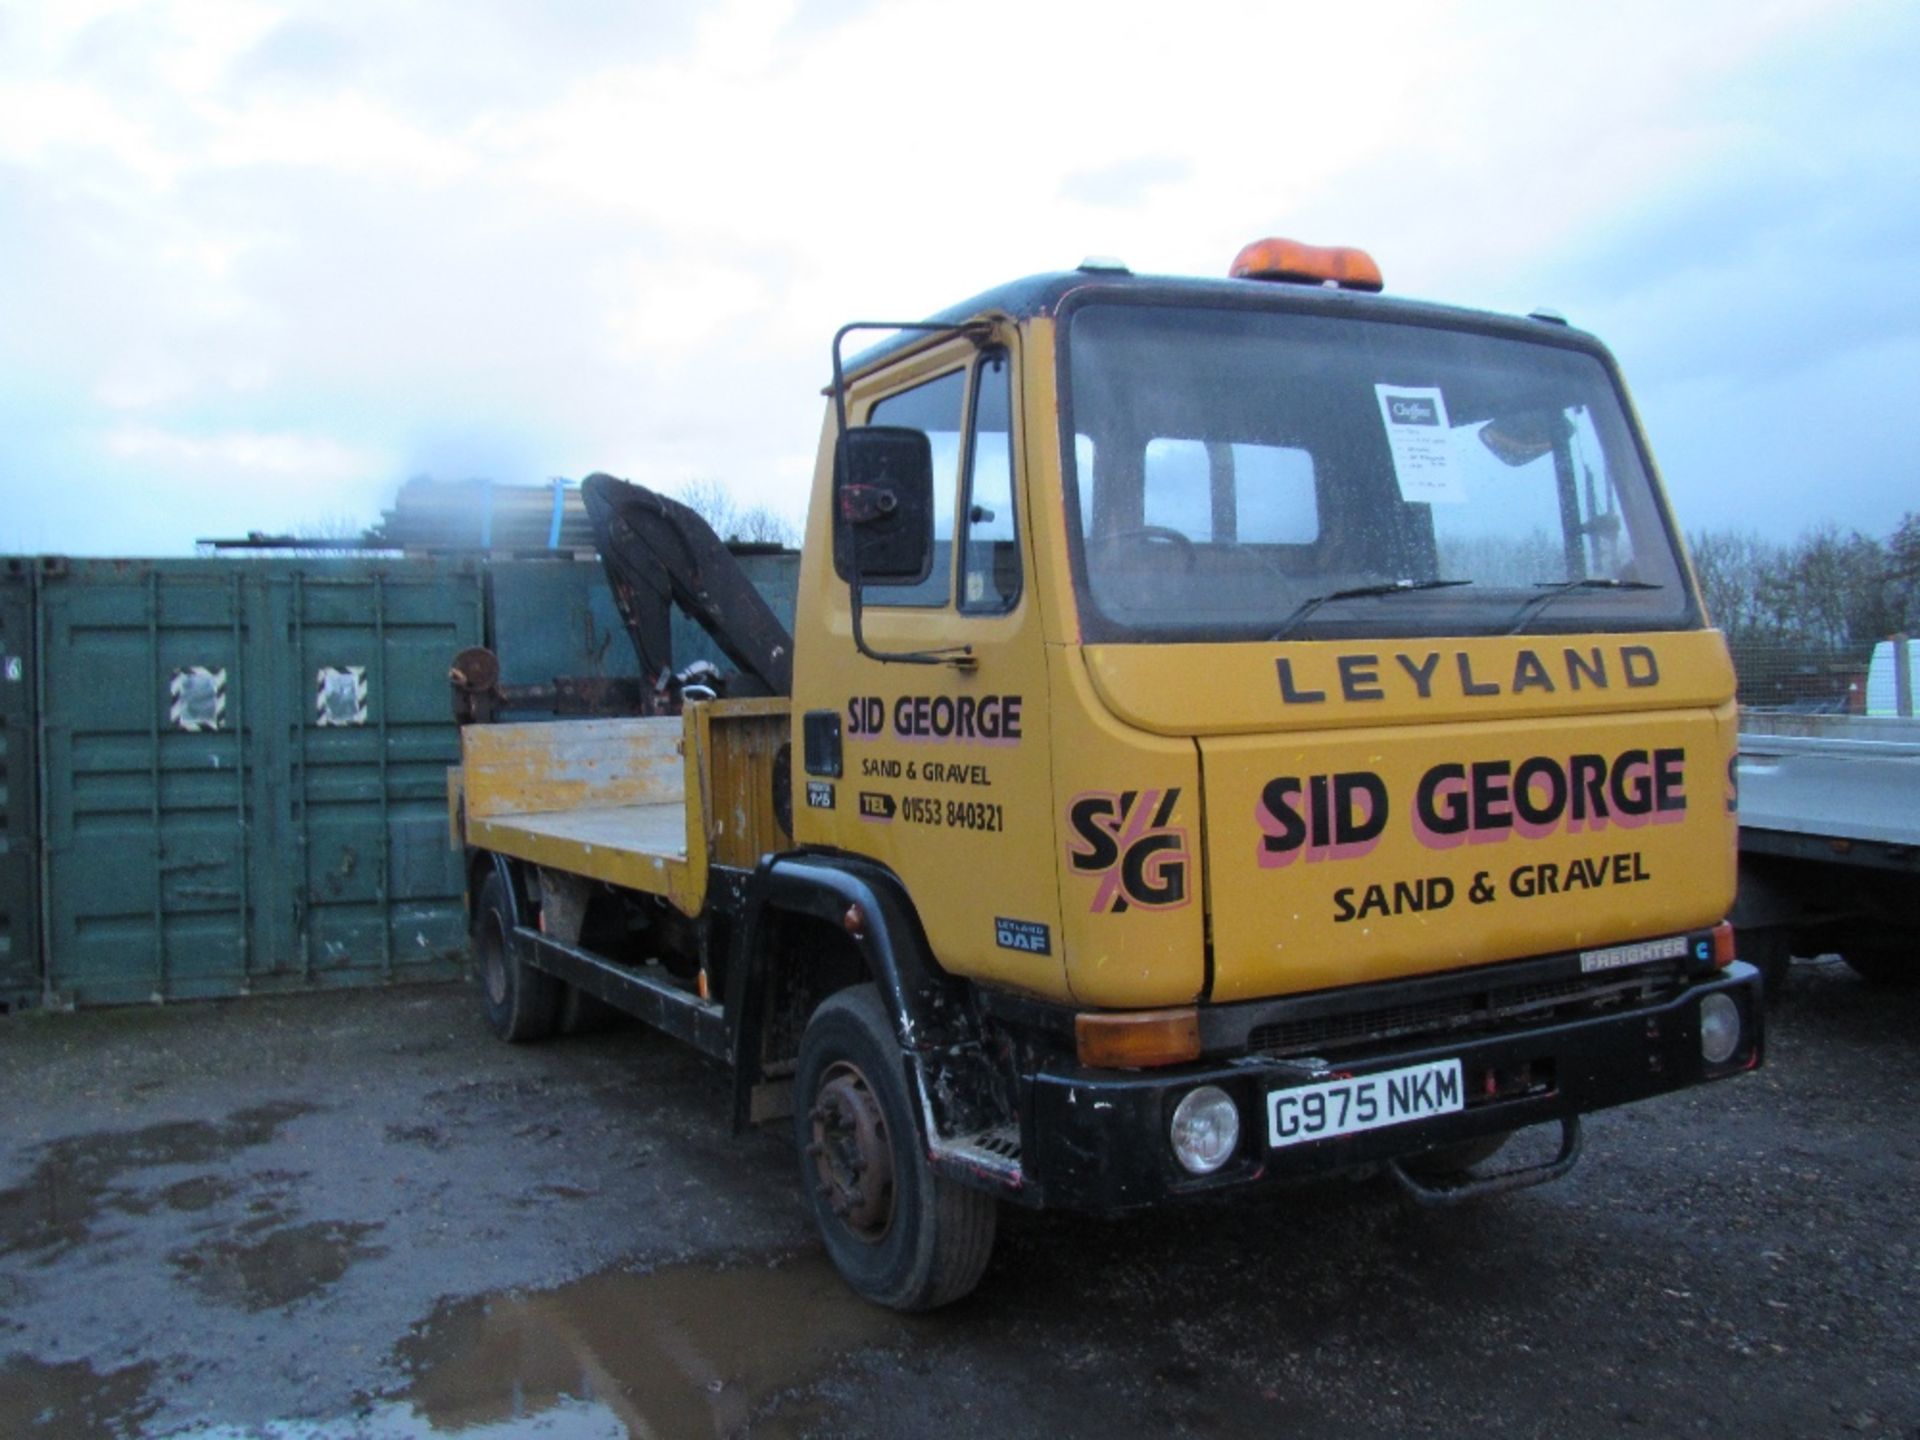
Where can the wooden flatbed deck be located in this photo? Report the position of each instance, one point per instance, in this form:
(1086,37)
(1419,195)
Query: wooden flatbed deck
(639,846)
(608,799)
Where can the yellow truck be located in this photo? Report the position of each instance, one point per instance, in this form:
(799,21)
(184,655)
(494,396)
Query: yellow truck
(1231,730)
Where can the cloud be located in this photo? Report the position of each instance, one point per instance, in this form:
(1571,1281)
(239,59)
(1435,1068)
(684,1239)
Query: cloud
(549,239)
(1828,442)
(1763,299)
(1126,183)
(448,63)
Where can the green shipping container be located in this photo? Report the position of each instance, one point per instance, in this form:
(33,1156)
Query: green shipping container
(244,774)
(19,805)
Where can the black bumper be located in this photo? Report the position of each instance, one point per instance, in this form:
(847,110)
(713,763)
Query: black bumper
(1097,1139)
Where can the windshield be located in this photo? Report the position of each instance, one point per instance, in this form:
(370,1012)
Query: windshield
(1244,474)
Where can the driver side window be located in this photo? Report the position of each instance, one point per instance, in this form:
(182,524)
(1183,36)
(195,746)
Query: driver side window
(990,556)
(934,406)
(989,546)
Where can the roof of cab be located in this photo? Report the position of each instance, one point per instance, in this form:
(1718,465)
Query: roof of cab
(1041,295)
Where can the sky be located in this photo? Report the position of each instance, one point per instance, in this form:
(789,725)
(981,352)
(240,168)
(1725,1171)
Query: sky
(261,262)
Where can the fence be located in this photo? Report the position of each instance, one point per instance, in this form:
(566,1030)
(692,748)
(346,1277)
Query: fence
(1854,680)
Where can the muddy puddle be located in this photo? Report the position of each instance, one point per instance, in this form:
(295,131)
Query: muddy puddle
(72,1400)
(279,1268)
(685,1350)
(572,1420)
(680,1351)
(77,1178)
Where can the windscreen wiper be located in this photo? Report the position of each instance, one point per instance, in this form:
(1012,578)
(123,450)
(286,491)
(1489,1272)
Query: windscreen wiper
(1358,592)
(1552,590)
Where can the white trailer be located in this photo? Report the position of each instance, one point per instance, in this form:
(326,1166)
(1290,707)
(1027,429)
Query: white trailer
(1830,842)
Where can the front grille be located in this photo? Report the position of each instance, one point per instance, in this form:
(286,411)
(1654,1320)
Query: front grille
(1495,1008)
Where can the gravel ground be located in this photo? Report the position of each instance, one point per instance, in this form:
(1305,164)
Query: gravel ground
(357,1215)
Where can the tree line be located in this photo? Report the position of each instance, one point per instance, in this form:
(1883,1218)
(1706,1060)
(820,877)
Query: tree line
(713,502)
(1827,591)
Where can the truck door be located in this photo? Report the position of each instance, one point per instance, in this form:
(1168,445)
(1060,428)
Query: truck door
(945,775)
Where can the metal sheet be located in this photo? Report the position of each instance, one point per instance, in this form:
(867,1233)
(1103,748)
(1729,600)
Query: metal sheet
(1850,777)
(1842,789)
(555,617)
(552,618)
(244,769)
(19,829)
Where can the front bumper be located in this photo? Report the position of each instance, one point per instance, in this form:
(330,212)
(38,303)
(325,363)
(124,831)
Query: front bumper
(1097,1139)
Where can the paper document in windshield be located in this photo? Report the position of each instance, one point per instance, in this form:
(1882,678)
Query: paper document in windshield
(1422,444)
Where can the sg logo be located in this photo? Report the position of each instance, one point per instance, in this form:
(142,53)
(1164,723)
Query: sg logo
(1124,838)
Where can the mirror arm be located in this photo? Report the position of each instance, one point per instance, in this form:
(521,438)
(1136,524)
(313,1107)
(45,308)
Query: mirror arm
(960,656)
(978,331)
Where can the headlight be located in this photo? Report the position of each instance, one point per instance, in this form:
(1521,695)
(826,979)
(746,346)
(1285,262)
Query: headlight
(1719,1029)
(1205,1129)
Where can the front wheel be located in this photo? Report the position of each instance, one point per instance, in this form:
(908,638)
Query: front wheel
(900,1235)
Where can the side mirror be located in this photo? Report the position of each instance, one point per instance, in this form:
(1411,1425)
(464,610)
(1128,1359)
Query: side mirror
(883,505)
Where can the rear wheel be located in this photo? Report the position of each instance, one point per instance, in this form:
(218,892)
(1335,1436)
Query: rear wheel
(522,1003)
(900,1235)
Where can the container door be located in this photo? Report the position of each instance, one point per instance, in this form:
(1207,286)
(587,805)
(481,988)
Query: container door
(369,737)
(19,851)
(152,796)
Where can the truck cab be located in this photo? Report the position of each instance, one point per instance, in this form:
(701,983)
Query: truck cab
(1294,616)
(1298,672)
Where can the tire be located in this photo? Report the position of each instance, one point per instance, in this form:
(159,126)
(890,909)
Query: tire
(521,1003)
(900,1235)
(1444,1162)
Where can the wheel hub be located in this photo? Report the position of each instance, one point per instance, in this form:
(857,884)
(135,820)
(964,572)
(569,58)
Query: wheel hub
(851,1153)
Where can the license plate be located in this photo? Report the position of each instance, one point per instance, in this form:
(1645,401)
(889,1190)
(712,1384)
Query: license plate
(1365,1102)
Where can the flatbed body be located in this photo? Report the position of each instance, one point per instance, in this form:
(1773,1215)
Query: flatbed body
(1850,777)
(646,803)
(1829,839)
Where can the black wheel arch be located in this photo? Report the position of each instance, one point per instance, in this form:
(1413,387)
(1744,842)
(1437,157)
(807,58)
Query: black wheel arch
(481,864)
(923,1003)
